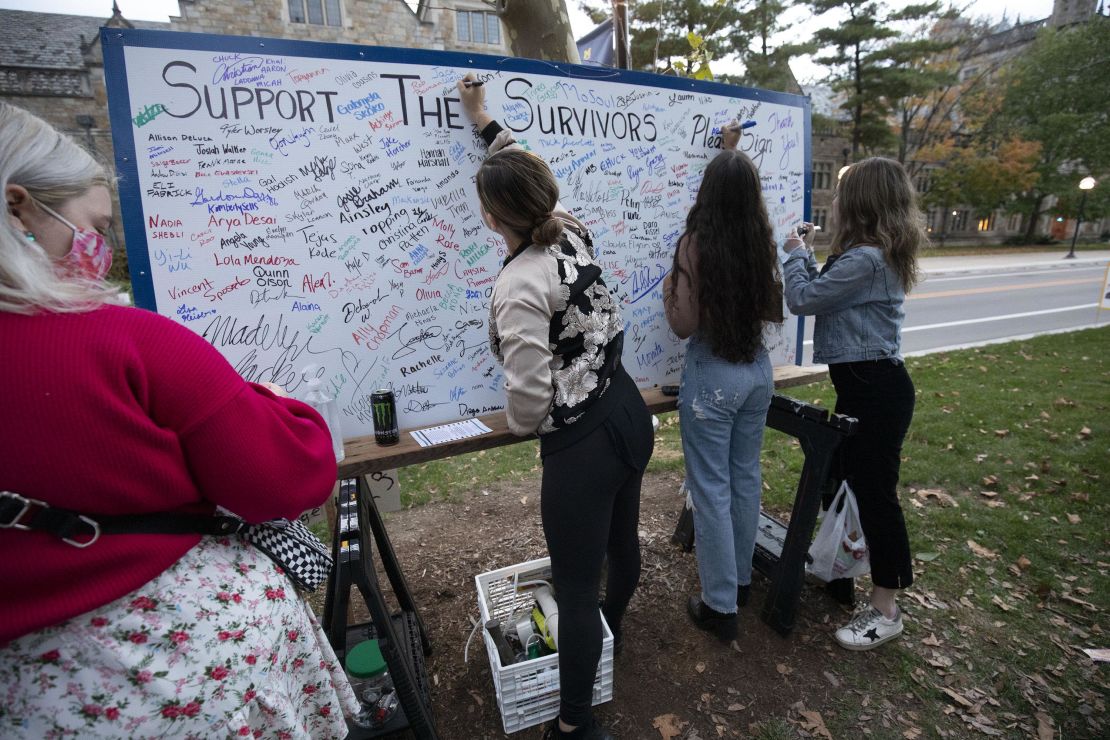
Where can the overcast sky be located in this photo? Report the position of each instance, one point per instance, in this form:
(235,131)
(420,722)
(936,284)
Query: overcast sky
(804,70)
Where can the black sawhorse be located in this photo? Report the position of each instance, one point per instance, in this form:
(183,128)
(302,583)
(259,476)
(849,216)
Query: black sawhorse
(781,550)
(402,637)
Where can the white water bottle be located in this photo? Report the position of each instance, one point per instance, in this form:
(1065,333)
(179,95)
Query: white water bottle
(328,408)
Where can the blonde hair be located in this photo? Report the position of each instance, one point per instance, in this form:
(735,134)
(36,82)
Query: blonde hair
(876,205)
(518,189)
(54,170)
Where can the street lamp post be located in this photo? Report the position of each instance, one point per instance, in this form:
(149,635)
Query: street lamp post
(1085,184)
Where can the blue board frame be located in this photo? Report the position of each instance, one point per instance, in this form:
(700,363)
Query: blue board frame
(114,40)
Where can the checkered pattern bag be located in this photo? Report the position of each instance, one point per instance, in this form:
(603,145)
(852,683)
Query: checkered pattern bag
(294,549)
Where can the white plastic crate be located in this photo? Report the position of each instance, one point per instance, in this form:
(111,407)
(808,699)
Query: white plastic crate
(528,692)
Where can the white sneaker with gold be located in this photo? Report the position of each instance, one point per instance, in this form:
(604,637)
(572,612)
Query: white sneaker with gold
(869,629)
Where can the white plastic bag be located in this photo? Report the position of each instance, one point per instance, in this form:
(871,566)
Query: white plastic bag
(840,550)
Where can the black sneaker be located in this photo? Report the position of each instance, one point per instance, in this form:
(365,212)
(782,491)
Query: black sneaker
(743,593)
(589,731)
(723,626)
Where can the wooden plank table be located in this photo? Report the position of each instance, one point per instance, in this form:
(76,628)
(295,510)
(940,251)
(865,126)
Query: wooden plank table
(365,456)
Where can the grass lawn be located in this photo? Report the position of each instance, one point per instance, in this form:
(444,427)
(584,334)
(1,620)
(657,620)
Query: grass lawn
(1004,483)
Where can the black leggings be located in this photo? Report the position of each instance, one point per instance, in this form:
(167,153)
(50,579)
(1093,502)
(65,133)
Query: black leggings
(590,506)
(881,395)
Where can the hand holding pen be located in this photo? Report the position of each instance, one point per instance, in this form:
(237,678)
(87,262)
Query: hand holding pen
(473,97)
(730,133)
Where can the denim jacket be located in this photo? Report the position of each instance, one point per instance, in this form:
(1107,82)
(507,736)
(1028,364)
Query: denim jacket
(858,301)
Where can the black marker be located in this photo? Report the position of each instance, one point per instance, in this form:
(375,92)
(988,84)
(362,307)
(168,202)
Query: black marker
(473,83)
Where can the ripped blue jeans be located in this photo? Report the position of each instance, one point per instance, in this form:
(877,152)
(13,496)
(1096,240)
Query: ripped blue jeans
(722,409)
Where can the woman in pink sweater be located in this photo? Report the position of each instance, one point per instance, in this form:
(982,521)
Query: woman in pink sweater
(109,410)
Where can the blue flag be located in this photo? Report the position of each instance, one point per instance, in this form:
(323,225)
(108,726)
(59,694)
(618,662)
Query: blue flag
(598,46)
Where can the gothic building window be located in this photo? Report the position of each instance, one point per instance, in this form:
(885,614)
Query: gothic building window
(315,12)
(478,27)
(822,175)
(959,221)
(820,217)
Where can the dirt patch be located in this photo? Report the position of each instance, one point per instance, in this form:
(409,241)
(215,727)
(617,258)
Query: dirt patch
(667,667)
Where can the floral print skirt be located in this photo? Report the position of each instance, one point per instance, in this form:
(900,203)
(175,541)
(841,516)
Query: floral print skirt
(218,646)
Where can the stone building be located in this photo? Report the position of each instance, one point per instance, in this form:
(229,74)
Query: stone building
(51,64)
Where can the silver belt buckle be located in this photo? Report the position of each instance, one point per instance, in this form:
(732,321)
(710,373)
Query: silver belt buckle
(95,533)
(26,504)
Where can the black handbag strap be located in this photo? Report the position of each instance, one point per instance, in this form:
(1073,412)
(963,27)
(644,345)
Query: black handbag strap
(81,530)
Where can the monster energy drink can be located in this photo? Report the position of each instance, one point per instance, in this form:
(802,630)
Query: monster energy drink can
(385,417)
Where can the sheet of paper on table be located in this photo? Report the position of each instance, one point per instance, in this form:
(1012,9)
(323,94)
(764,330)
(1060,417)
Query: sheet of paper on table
(449,432)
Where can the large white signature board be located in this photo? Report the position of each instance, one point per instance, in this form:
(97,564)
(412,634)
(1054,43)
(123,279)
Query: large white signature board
(304,204)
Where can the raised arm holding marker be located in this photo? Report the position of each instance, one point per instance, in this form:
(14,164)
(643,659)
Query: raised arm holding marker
(741,126)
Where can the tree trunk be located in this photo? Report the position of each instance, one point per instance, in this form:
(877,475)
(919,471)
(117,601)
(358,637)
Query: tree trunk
(539,29)
(857,113)
(1034,217)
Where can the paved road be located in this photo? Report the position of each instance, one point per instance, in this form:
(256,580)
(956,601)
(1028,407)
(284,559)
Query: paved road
(965,301)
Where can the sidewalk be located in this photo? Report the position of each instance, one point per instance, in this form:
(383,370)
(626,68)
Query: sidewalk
(1006,262)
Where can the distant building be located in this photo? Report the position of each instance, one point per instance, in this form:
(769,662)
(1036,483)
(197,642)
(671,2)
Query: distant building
(831,149)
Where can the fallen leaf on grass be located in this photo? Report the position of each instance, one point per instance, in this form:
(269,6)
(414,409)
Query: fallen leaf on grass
(940,661)
(477,699)
(669,726)
(997,601)
(700,668)
(988,494)
(1023,562)
(990,480)
(981,551)
(958,698)
(1044,727)
(1061,402)
(927,557)
(523,500)
(1074,518)
(1098,655)
(1079,602)
(1084,433)
(814,723)
(1002,433)
(931,641)
(784,669)
(942,498)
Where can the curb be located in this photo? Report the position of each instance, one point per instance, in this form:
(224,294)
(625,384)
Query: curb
(1062,264)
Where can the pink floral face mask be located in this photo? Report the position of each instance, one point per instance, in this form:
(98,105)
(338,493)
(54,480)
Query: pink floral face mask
(90,257)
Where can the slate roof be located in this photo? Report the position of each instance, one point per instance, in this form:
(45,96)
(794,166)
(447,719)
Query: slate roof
(50,40)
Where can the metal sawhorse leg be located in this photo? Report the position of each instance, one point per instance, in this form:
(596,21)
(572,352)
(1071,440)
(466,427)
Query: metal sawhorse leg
(781,550)
(402,637)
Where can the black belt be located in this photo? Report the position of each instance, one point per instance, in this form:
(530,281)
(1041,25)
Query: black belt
(81,530)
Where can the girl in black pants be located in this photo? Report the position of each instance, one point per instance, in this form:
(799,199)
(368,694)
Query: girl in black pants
(558,333)
(858,299)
